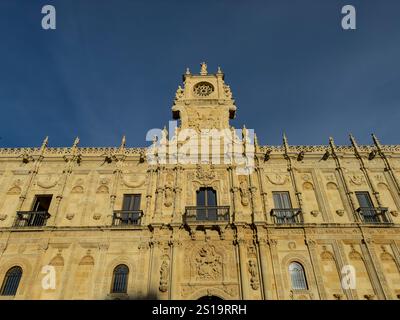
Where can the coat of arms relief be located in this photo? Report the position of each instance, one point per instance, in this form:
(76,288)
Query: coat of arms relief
(208,264)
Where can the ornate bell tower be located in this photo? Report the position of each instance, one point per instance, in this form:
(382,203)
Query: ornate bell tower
(204,102)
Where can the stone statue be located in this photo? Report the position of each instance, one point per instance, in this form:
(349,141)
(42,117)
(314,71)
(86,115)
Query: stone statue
(168,196)
(164,277)
(179,93)
(244,193)
(253,274)
(203,70)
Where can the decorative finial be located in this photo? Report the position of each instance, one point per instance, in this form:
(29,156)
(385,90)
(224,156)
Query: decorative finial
(203,70)
(256,144)
(332,145)
(164,133)
(244,132)
(76,142)
(219,70)
(353,142)
(179,93)
(187,71)
(285,141)
(45,142)
(376,141)
(155,139)
(123,142)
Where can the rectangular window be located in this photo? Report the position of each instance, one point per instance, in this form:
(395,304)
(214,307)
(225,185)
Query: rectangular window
(131,202)
(42,203)
(283,207)
(206,203)
(364,199)
(282,200)
(367,209)
(206,197)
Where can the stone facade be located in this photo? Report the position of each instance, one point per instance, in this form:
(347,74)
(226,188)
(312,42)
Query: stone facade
(245,256)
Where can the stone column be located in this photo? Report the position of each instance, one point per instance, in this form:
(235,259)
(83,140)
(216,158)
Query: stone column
(255,199)
(321,200)
(149,195)
(159,193)
(365,171)
(67,273)
(388,167)
(396,252)
(33,172)
(373,265)
(36,277)
(175,245)
(342,178)
(244,281)
(155,256)
(99,272)
(178,195)
(316,268)
(341,260)
(117,175)
(235,192)
(263,191)
(277,270)
(3,247)
(262,249)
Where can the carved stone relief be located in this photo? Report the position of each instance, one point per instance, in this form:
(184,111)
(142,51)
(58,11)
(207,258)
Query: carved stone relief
(15,187)
(356,179)
(278,179)
(252,268)
(208,263)
(205,172)
(244,191)
(168,190)
(164,276)
(47,182)
(133,180)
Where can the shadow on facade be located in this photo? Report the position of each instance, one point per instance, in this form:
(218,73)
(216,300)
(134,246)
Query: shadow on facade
(131,296)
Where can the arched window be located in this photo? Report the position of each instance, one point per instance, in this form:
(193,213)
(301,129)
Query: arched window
(120,279)
(11,281)
(297,276)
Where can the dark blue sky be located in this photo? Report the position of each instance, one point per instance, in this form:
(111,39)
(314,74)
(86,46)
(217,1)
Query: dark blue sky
(112,68)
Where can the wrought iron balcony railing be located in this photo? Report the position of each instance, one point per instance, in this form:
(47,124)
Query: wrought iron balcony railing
(207,214)
(373,215)
(31,218)
(287,216)
(127,217)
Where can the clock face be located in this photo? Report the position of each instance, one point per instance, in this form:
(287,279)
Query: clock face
(203,89)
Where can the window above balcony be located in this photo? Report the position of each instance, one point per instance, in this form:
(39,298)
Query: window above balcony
(130,213)
(283,213)
(367,213)
(206,211)
(39,214)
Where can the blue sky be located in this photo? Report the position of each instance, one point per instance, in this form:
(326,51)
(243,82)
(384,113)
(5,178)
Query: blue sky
(112,68)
